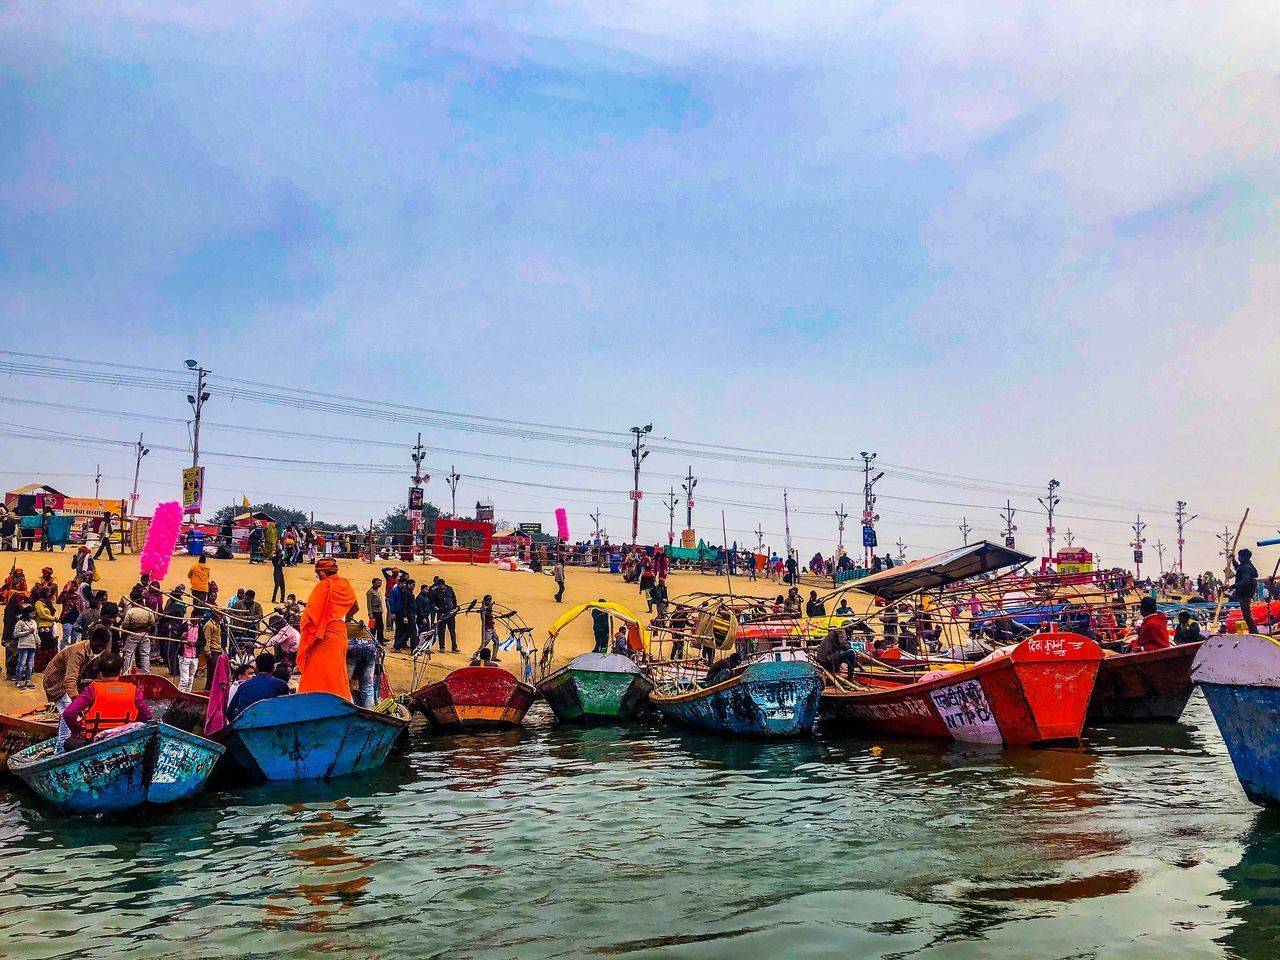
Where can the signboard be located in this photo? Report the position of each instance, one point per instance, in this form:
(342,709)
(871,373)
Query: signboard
(963,707)
(691,503)
(530,528)
(869,536)
(192,489)
(1137,556)
(637,494)
(415,498)
(415,515)
(1008,542)
(688,539)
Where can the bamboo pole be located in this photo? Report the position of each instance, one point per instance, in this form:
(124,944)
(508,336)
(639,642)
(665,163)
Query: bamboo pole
(1213,625)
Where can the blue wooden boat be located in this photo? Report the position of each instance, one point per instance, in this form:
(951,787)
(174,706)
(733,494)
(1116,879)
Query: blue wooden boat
(308,736)
(770,698)
(1240,676)
(153,763)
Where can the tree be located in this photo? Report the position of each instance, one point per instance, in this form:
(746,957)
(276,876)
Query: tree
(397,520)
(285,515)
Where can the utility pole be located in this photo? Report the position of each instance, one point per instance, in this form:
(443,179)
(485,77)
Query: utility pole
(1049,502)
(965,529)
(786,519)
(760,538)
(599,544)
(869,515)
(418,455)
(97,481)
(452,480)
(637,456)
(197,401)
(139,451)
(1160,554)
(1070,538)
(902,550)
(671,513)
(1183,520)
(1137,544)
(841,517)
(688,485)
(1225,537)
(1009,528)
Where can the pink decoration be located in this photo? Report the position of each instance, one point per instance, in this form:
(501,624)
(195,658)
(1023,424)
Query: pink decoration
(562,524)
(166,526)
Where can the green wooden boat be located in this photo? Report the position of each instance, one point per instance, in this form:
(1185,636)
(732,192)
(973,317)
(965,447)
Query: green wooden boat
(596,688)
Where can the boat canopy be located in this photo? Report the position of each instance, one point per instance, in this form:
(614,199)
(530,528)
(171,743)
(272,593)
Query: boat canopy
(637,635)
(940,570)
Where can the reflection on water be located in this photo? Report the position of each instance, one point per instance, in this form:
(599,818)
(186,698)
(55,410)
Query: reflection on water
(648,841)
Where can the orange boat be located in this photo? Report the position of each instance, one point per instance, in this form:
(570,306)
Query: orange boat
(1036,692)
(475,698)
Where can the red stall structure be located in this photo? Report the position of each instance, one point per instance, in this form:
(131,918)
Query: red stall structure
(462,541)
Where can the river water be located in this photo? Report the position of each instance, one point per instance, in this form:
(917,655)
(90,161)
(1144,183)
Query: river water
(651,842)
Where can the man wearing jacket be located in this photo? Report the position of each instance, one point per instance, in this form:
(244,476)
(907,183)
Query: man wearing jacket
(375,608)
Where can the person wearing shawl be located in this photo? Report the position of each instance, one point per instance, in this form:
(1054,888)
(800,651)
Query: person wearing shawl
(322,651)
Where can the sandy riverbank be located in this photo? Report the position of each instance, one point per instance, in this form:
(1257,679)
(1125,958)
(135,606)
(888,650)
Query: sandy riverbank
(531,594)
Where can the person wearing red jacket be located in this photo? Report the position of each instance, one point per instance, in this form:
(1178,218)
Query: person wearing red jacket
(1154,632)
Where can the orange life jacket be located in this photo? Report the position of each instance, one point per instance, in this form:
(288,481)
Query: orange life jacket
(113,706)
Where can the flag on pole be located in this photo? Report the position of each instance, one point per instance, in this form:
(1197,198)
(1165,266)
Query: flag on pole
(246,504)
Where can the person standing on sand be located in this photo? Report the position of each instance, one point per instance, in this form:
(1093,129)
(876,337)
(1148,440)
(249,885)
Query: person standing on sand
(105,529)
(445,602)
(557,572)
(198,577)
(277,575)
(322,651)
(374,608)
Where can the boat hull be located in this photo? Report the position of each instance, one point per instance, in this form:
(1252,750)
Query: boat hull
(1155,685)
(596,688)
(768,699)
(155,763)
(1240,677)
(1037,693)
(475,698)
(308,736)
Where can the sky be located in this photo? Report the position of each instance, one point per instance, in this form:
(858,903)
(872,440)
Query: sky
(993,243)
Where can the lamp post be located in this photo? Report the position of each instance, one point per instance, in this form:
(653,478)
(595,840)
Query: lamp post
(638,453)
(139,452)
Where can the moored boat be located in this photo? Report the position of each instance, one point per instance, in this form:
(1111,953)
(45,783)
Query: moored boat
(1036,692)
(1152,685)
(308,736)
(475,698)
(1240,677)
(773,697)
(596,687)
(21,730)
(148,763)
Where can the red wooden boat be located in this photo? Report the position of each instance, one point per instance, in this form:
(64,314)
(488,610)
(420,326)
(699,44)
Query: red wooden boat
(1035,692)
(475,698)
(1144,686)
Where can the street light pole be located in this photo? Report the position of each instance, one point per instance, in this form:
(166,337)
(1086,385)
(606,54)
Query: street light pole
(1183,520)
(638,453)
(965,529)
(139,452)
(671,511)
(1137,544)
(869,516)
(841,517)
(1049,502)
(452,480)
(688,485)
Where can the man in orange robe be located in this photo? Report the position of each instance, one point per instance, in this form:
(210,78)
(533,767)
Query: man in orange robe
(322,651)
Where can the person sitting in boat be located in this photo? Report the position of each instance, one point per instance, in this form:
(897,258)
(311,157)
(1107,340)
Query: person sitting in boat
(104,704)
(887,649)
(721,670)
(815,607)
(844,610)
(263,684)
(621,641)
(1154,632)
(1187,630)
(835,651)
(483,658)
